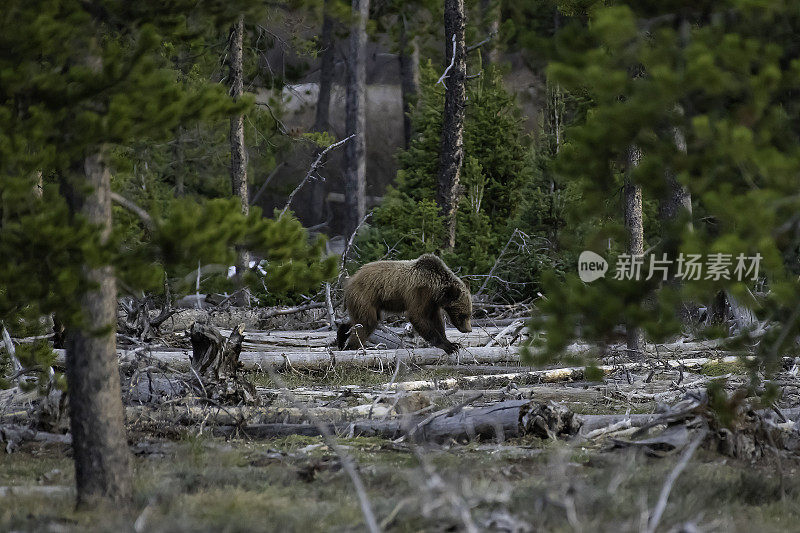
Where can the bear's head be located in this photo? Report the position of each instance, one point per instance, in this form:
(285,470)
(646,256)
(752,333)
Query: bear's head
(458,306)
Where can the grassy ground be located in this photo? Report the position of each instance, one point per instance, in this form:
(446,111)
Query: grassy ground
(296,484)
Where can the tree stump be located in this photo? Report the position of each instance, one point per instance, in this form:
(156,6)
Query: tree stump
(216,362)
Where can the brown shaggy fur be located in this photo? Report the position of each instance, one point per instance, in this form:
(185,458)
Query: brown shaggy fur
(421,288)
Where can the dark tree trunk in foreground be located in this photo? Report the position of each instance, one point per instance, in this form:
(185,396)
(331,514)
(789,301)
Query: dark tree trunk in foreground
(355,181)
(238,154)
(322,118)
(409,76)
(100,447)
(635,224)
(451,156)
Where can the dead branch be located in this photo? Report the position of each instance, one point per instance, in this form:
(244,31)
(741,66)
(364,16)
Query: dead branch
(32,339)
(483,42)
(143,215)
(311,170)
(279,311)
(452,62)
(514,326)
(490,275)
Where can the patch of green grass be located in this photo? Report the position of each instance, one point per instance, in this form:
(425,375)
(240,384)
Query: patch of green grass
(719,368)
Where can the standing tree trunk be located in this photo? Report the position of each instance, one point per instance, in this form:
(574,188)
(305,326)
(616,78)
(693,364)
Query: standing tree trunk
(238,154)
(635,224)
(322,118)
(355,180)
(409,75)
(100,447)
(451,156)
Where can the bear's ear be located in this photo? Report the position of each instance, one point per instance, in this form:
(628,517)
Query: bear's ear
(451,294)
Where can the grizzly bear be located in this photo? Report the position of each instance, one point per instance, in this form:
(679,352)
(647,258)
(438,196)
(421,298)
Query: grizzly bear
(421,288)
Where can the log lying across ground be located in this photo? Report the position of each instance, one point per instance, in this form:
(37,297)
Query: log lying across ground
(498,421)
(390,338)
(320,360)
(493,381)
(235,415)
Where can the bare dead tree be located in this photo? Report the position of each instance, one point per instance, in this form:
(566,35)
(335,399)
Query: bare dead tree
(635,224)
(238,152)
(355,186)
(451,155)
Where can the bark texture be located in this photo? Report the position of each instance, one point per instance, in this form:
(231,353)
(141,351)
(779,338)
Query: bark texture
(409,75)
(355,181)
(635,225)
(451,156)
(102,462)
(238,153)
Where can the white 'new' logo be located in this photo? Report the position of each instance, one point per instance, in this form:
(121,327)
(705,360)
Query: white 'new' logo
(591,266)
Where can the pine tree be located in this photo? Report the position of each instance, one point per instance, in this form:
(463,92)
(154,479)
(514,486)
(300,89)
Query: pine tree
(724,77)
(68,112)
(497,154)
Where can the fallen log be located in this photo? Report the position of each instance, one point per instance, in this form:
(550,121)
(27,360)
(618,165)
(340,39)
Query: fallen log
(12,435)
(36,490)
(212,415)
(555,375)
(320,360)
(390,338)
(500,421)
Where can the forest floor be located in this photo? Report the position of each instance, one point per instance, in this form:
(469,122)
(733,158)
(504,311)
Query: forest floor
(195,470)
